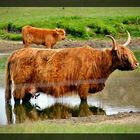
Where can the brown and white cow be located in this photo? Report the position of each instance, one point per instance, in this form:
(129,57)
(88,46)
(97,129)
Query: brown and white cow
(57,72)
(40,36)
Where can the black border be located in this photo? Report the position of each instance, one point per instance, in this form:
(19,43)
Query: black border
(69,3)
(79,136)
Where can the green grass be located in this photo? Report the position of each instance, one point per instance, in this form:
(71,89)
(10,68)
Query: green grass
(44,127)
(137,55)
(83,23)
(3,60)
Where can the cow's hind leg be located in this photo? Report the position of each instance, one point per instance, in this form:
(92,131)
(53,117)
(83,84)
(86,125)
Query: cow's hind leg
(18,93)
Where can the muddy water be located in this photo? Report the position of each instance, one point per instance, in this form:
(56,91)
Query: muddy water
(121,94)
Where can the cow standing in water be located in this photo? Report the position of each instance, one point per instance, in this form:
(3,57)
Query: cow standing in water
(40,36)
(58,72)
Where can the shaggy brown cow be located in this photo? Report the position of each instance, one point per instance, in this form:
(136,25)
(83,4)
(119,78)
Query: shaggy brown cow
(39,36)
(57,72)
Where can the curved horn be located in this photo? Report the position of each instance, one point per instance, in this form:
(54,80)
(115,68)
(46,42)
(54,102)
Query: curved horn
(128,40)
(114,41)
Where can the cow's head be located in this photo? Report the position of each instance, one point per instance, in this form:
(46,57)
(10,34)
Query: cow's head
(60,34)
(123,57)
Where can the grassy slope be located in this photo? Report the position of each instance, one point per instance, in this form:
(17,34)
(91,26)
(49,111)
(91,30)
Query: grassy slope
(78,22)
(28,14)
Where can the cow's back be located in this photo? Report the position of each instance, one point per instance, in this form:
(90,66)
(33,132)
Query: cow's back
(70,62)
(23,63)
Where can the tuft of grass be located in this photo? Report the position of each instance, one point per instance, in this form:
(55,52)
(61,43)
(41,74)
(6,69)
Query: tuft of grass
(10,35)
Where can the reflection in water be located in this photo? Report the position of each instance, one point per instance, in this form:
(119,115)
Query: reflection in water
(26,112)
(9,113)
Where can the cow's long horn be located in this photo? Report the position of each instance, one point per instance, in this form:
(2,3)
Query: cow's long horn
(128,40)
(114,41)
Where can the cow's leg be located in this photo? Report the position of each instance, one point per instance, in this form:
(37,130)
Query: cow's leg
(48,45)
(83,92)
(29,91)
(28,41)
(16,93)
(19,93)
(52,46)
(26,45)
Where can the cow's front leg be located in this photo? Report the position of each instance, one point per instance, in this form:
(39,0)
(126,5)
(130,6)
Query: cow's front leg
(83,92)
(48,45)
(27,44)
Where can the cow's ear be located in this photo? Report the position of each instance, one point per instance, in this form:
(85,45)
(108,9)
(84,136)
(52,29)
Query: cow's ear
(115,47)
(57,31)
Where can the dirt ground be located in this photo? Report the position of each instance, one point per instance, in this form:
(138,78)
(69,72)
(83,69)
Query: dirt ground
(10,46)
(120,118)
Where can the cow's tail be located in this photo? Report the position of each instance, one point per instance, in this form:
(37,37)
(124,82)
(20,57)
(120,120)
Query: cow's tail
(23,35)
(8,82)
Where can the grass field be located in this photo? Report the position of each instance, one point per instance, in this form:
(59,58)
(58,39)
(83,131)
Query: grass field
(43,127)
(79,23)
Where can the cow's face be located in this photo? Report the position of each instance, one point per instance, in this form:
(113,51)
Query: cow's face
(61,34)
(124,58)
(127,60)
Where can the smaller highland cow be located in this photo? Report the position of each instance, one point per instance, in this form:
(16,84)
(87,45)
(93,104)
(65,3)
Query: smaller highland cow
(39,36)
